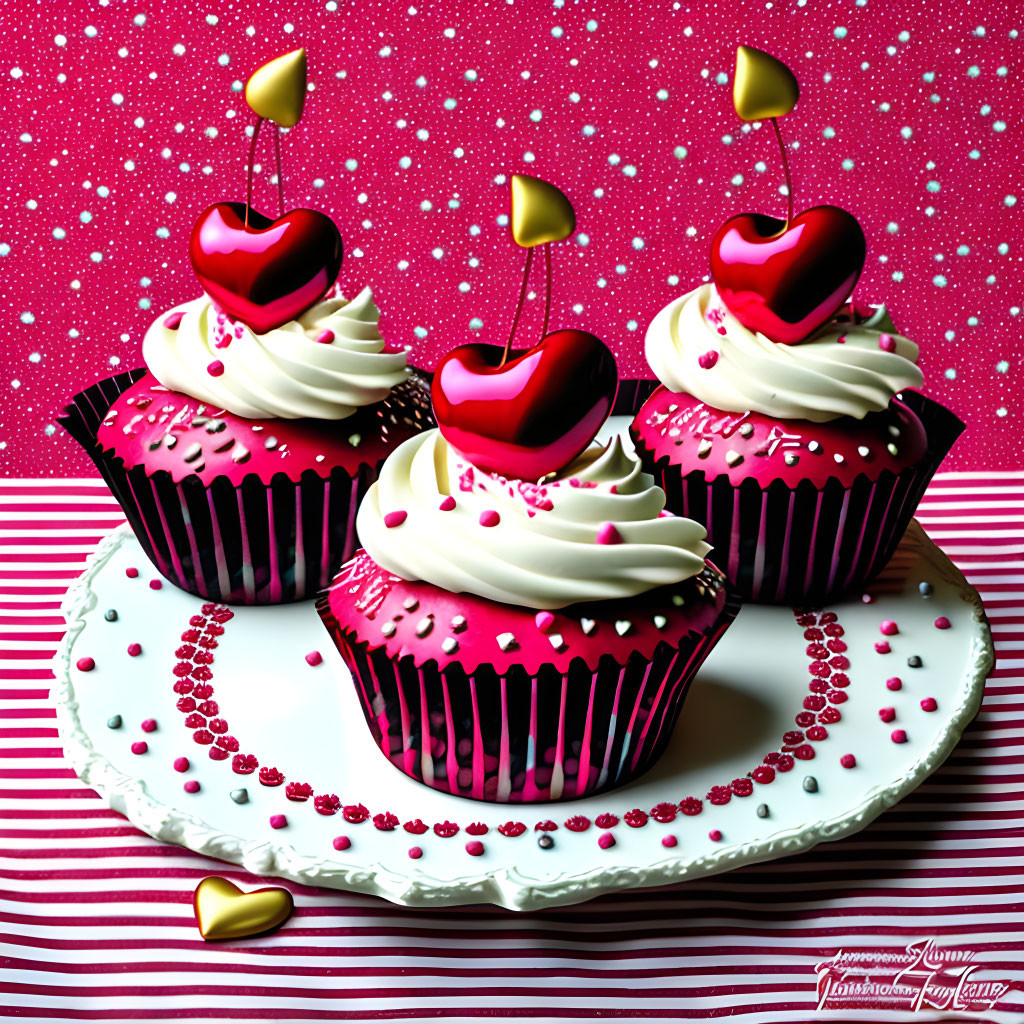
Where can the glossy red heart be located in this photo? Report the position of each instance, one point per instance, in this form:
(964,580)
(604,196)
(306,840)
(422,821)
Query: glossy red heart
(269,271)
(787,281)
(534,414)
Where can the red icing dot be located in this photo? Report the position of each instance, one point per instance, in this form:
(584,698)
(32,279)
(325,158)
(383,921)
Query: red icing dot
(848,761)
(85,664)
(415,852)
(715,835)
(314,658)
(719,795)
(829,716)
(707,359)
(545,826)
(393,519)
(325,337)
(804,719)
(606,821)
(818,686)
(817,733)
(544,621)
(793,736)
(763,773)
(886,343)
(140,747)
(149,725)
(512,829)
(445,829)
(448,504)
(475,848)
(882,647)
(227,743)
(886,714)
(219,754)
(489,517)
(203,736)
(664,812)
(827,618)
(895,683)
(888,628)
(691,806)
(416,827)
(271,777)
(899,736)
(929,704)
(840,679)
(942,622)
(208,707)
(156,584)
(606,840)
(298,791)
(742,787)
(131,573)
(635,818)
(354,813)
(669,841)
(244,764)
(181,764)
(192,786)
(607,534)
(326,803)
(134,650)
(216,369)
(278,821)
(805,752)
(838,696)
(341,842)
(385,821)
(833,629)
(814,702)
(578,823)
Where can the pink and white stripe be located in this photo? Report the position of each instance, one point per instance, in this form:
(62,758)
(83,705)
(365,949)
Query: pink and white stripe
(96,920)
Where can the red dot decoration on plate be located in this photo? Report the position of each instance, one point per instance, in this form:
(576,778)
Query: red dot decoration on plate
(149,725)
(882,646)
(715,835)
(942,622)
(894,683)
(192,786)
(899,736)
(415,852)
(929,704)
(85,664)
(886,714)
(395,518)
(156,584)
(134,650)
(314,658)
(181,764)
(475,848)
(888,628)
(341,843)
(606,840)
(278,821)
(669,841)
(848,761)
(140,747)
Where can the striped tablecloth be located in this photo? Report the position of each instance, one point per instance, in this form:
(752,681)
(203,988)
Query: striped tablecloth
(96,918)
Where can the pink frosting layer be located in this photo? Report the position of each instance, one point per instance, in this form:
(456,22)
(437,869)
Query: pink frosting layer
(151,426)
(741,446)
(429,623)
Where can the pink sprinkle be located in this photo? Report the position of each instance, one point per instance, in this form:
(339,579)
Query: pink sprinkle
(895,683)
(899,736)
(149,725)
(544,620)
(848,761)
(607,534)
(886,714)
(606,840)
(474,848)
(215,369)
(140,747)
(707,359)
(489,517)
(867,599)
(131,573)
(314,658)
(325,337)
(278,821)
(929,704)
(841,339)
(942,622)
(341,842)
(192,786)
(669,841)
(173,321)
(393,519)
(134,650)
(415,852)
(181,764)
(156,584)
(448,504)
(888,628)
(882,647)
(85,664)
(885,343)
(714,835)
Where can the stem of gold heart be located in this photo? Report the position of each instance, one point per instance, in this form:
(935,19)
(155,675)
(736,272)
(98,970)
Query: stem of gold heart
(280,177)
(252,159)
(785,170)
(519,306)
(547,289)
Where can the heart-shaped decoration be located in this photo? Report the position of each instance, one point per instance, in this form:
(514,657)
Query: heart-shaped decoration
(266,272)
(531,415)
(787,281)
(223,911)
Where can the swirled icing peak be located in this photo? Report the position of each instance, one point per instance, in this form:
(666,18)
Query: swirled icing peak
(595,531)
(324,365)
(695,345)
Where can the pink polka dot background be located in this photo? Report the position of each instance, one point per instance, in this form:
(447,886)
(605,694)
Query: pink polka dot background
(122,122)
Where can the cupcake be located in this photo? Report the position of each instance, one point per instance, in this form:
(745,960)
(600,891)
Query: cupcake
(786,420)
(239,454)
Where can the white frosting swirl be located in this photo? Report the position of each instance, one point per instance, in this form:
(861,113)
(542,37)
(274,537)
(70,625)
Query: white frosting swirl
(285,373)
(544,552)
(818,379)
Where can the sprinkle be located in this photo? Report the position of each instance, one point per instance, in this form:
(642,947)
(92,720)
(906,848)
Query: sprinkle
(474,848)
(458,623)
(606,840)
(181,764)
(325,337)
(914,661)
(886,714)
(410,604)
(389,629)
(134,650)
(707,359)
(489,517)
(863,451)
(140,747)
(192,786)
(193,452)
(746,429)
(588,626)
(85,664)
(278,821)
(839,458)
(848,761)
(131,573)
(703,448)
(355,439)
(791,458)
(888,628)
(623,626)
(396,518)
(762,810)
(110,615)
(314,658)
(925,589)
(200,421)
(814,448)
(449,645)
(341,843)
(892,449)
(810,784)
(895,683)
(114,722)
(224,445)
(415,852)
(240,796)
(669,841)
(424,626)
(149,725)
(271,443)
(885,343)
(867,599)
(942,622)
(240,454)
(841,339)
(545,842)
(929,704)
(215,369)
(733,458)
(607,534)
(678,600)
(882,646)
(660,622)
(448,504)
(899,736)
(556,641)
(715,835)
(544,621)
(507,641)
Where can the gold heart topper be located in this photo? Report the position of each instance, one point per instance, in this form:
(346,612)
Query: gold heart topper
(223,911)
(540,212)
(763,86)
(277,90)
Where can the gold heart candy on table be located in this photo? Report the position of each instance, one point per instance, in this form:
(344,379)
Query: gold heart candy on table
(223,911)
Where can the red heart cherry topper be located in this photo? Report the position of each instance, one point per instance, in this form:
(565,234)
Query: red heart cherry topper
(785,281)
(787,278)
(264,272)
(532,414)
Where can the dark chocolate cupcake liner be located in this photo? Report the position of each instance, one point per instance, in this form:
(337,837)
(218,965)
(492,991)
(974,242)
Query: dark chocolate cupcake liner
(251,543)
(521,738)
(804,545)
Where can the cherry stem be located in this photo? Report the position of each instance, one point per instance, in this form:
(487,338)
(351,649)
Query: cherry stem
(547,289)
(280,177)
(785,170)
(519,306)
(252,159)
